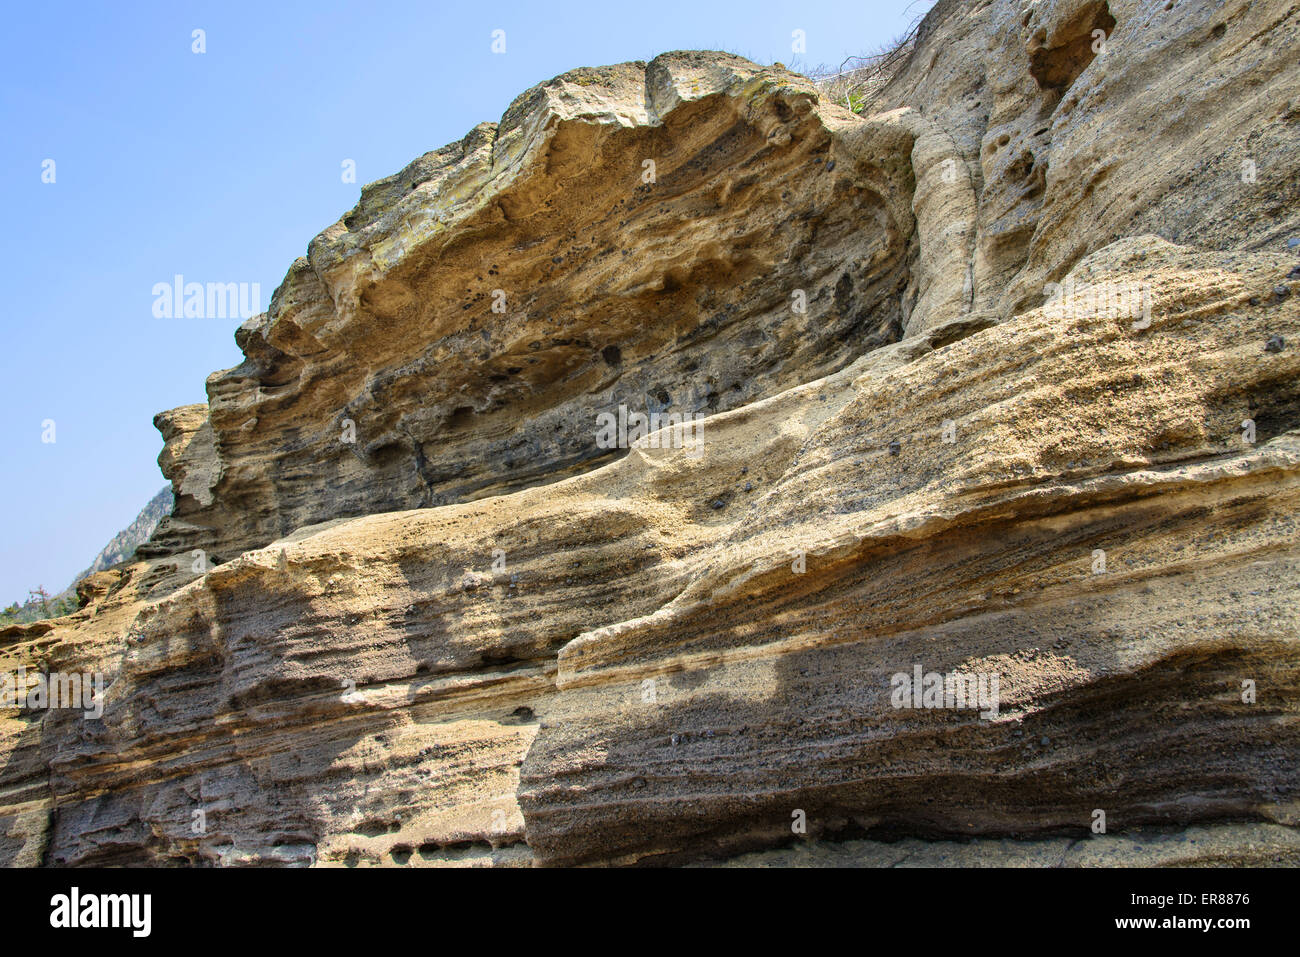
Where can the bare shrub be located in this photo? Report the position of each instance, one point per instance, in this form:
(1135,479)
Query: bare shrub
(859,79)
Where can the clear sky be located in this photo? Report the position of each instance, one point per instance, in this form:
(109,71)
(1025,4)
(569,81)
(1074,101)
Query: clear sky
(221,166)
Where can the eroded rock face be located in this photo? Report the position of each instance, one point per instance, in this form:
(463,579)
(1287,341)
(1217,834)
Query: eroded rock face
(1040,420)
(632,236)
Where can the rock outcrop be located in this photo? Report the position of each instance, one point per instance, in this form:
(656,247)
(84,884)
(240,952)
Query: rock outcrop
(999,380)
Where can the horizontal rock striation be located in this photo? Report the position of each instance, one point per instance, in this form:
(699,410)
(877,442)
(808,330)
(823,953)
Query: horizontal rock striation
(1035,418)
(633,236)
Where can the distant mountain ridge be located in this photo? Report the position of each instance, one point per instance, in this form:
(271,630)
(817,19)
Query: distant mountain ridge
(41,605)
(122,545)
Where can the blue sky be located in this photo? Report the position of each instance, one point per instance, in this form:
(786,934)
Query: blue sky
(221,166)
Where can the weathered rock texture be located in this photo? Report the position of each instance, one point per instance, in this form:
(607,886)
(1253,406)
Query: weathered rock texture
(473,636)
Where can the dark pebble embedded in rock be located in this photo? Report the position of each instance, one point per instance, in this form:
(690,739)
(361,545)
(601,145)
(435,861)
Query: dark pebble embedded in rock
(1275,344)
(719,503)
(895,447)
(1281,291)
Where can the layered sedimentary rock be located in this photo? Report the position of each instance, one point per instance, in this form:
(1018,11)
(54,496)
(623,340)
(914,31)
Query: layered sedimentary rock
(630,236)
(1000,379)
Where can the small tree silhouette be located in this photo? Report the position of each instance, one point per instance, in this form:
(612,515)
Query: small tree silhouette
(41,595)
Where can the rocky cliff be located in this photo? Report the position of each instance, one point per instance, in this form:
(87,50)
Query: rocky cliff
(998,381)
